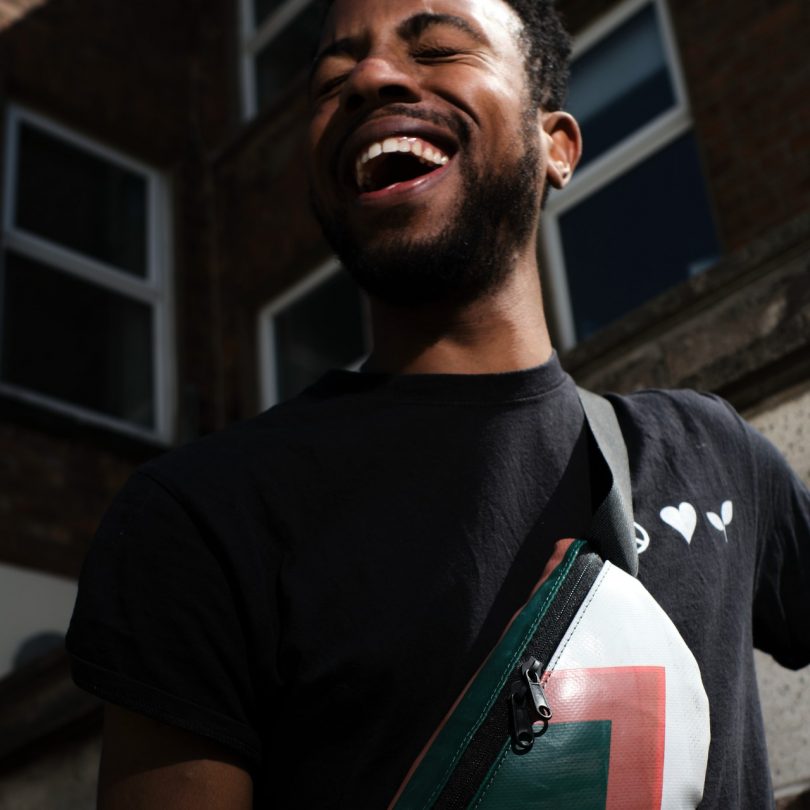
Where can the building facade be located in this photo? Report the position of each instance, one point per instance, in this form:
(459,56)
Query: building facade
(162,275)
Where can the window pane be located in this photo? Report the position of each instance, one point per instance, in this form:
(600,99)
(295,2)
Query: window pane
(288,55)
(620,84)
(77,199)
(648,230)
(76,342)
(322,330)
(262,8)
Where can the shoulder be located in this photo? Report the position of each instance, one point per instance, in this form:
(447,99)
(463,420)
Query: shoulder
(675,407)
(698,422)
(693,452)
(231,458)
(274,453)
(683,420)
(692,449)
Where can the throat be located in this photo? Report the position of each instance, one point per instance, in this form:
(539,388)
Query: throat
(499,333)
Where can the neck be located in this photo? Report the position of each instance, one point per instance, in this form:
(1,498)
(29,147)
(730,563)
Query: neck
(505,331)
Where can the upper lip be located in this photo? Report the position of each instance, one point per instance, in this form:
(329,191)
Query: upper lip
(388,126)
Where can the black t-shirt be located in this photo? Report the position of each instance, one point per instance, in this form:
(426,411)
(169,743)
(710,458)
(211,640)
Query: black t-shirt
(313,587)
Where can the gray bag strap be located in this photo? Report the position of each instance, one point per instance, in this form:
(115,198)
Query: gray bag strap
(612,528)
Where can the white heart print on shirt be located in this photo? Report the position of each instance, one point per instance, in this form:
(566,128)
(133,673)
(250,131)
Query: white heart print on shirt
(683,519)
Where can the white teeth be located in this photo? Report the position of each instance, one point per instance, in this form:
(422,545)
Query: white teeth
(427,154)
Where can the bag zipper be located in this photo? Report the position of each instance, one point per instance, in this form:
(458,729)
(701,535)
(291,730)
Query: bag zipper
(522,703)
(528,706)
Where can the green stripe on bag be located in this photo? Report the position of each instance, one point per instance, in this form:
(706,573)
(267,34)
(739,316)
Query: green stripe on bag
(433,772)
(569,769)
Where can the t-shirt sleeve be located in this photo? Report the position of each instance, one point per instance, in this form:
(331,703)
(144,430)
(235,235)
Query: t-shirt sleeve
(156,628)
(781,606)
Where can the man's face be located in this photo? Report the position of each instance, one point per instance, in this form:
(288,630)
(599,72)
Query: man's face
(425,151)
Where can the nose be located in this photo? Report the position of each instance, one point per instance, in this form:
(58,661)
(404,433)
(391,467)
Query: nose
(375,81)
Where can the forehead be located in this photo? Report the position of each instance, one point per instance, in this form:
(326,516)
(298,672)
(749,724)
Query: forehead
(353,18)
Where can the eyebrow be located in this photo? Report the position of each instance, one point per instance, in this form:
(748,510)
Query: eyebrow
(419,23)
(409,29)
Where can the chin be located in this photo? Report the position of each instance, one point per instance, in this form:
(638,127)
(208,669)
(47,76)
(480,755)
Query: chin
(455,243)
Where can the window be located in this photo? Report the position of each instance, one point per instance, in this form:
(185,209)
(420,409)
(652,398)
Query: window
(635,218)
(279,38)
(317,325)
(84,316)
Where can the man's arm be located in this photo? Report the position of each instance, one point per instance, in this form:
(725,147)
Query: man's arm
(146,764)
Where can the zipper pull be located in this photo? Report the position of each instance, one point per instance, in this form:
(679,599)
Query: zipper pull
(522,729)
(527,702)
(531,672)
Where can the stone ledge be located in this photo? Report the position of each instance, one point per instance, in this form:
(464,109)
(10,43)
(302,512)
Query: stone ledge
(742,328)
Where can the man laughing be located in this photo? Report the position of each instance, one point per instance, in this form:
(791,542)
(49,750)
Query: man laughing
(282,614)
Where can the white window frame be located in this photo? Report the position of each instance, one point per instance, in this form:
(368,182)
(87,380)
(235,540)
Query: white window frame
(616,161)
(266,332)
(253,41)
(154,289)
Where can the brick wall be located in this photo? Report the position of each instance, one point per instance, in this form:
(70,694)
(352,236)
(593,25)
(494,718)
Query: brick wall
(54,489)
(747,74)
(747,70)
(156,80)
(267,237)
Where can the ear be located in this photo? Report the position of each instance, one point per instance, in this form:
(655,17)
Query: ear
(563,144)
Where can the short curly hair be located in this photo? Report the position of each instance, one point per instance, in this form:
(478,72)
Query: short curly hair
(547,46)
(548,51)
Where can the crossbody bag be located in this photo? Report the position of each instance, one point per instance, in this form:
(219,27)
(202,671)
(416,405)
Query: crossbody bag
(590,699)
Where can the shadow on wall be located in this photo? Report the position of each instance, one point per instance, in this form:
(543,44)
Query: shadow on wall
(801,802)
(36,646)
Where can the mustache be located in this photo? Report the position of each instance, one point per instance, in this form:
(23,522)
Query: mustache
(453,122)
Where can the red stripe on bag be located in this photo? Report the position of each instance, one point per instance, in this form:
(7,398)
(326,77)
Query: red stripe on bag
(633,699)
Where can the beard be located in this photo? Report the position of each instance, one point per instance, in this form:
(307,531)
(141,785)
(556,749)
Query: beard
(470,257)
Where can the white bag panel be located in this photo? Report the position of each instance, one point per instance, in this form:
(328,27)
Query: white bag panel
(621,625)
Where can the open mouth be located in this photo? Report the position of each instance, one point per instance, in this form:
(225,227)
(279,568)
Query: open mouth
(396,160)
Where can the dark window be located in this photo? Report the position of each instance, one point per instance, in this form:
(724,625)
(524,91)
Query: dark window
(287,55)
(80,201)
(83,309)
(646,231)
(321,330)
(76,342)
(263,8)
(639,222)
(620,84)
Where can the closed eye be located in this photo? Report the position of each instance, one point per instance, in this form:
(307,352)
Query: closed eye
(430,54)
(329,85)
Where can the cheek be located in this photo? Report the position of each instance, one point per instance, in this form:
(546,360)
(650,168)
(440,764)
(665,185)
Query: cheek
(318,121)
(317,145)
(500,96)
